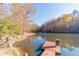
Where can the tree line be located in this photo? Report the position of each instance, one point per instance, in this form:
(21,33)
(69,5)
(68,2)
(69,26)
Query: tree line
(67,23)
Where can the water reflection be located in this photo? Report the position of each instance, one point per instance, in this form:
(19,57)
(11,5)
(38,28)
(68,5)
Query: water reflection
(36,42)
(69,43)
(70,51)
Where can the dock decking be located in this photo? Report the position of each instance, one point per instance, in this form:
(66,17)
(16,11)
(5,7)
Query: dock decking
(51,48)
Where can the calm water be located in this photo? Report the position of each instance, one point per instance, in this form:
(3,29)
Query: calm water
(69,43)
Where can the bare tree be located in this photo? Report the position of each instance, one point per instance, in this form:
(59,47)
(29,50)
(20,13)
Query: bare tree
(21,13)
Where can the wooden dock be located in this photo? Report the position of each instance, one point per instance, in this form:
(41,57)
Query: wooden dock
(51,48)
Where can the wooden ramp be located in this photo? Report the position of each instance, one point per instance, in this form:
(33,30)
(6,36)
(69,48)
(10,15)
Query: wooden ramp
(51,48)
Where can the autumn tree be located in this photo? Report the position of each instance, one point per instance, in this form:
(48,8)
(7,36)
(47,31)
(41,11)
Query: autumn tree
(21,13)
(9,26)
(34,27)
(65,23)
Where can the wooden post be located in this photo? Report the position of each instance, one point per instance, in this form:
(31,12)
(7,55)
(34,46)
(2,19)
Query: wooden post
(58,44)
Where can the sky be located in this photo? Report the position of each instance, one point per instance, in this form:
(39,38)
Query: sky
(47,11)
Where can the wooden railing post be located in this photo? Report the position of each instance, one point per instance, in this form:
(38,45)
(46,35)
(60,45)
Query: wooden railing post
(58,44)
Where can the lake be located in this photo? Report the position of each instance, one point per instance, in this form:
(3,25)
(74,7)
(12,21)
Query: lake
(69,42)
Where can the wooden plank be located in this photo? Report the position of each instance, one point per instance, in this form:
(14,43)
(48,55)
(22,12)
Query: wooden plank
(56,49)
(48,44)
(51,48)
(51,51)
(48,53)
